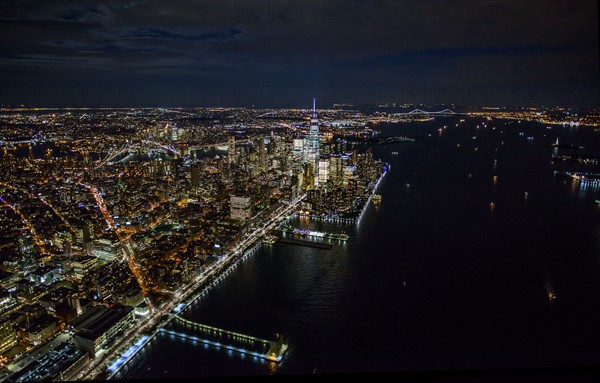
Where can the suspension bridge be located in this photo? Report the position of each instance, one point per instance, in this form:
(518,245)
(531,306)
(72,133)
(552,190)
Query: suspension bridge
(140,145)
(153,146)
(419,112)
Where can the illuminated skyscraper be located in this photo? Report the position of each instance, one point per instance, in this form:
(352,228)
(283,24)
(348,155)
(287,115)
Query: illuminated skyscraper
(262,154)
(312,144)
(195,169)
(231,150)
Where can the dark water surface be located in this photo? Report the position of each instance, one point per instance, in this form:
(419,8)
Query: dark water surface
(434,278)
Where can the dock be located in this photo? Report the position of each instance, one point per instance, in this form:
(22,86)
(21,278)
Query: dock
(304,242)
(302,233)
(271,350)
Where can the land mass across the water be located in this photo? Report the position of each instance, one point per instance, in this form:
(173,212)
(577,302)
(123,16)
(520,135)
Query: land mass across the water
(379,140)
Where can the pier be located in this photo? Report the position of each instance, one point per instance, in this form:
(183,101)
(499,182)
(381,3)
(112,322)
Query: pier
(272,350)
(327,218)
(310,233)
(304,242)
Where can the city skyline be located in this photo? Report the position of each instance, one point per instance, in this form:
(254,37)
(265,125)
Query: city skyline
(115,237)
(133,193)
(274,54)
(232,188)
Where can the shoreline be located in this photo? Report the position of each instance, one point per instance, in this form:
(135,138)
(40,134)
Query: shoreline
(197,289)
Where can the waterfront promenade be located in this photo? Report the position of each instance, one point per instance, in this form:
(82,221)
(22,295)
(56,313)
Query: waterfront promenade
(161,316)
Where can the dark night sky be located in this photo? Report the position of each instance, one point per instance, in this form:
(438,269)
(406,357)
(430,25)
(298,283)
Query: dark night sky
(272,54)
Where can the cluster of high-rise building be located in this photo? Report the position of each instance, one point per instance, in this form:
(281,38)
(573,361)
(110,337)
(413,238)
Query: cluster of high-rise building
(96,226)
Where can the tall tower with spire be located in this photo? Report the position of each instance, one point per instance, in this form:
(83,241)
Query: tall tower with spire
(313,142)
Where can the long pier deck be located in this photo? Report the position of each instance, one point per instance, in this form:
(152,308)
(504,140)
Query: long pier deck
(296,232)
(272,350)
(304,242)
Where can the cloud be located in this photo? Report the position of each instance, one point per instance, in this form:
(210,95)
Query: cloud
(155,33)
(357,44)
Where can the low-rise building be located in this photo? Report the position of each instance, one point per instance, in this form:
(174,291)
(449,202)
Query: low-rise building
(8,303)
(107,248)
(8,336)
(44,275)
(8,280)
(40,329)
(98,326)
(83,265)
(60,363)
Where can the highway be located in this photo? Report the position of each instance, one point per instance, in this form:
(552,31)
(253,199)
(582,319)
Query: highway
(161,316)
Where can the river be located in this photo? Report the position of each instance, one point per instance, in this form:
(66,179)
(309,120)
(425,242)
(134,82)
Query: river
(452,270)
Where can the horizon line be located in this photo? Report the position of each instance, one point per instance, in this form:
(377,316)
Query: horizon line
(376,104)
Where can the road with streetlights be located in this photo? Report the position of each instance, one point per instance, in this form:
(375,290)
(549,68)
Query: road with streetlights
(162,315)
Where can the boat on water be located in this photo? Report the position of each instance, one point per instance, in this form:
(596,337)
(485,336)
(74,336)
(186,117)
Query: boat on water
(376,198)
(551,296)
(394,153)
